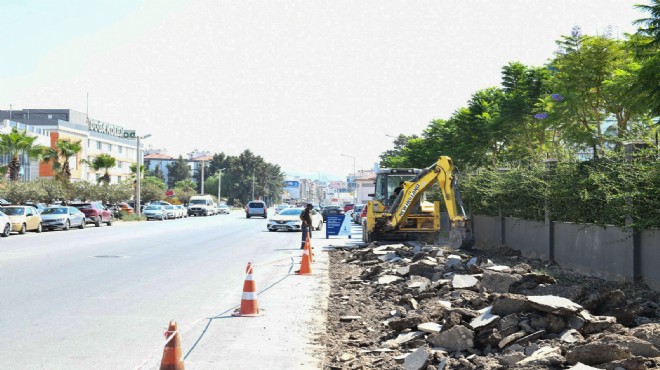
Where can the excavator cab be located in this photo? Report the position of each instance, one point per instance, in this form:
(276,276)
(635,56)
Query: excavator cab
(388,179)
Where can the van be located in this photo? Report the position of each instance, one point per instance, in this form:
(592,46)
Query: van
(201,205)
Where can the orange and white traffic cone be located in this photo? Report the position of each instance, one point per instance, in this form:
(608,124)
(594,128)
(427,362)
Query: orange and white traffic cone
(249,304)
(172,358)
(305,264)
(308,246)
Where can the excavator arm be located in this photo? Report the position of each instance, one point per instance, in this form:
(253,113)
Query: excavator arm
(442,172)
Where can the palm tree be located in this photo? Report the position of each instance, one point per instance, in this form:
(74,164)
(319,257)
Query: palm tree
(652,23)
(103,162)
(60,155)
(17,143)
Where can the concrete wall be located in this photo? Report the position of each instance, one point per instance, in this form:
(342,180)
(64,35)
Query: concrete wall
(529,237)
(487,230)
(610,253)
(650,258)
(603,252)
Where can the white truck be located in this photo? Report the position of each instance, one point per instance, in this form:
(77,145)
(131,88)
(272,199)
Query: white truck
(201,205)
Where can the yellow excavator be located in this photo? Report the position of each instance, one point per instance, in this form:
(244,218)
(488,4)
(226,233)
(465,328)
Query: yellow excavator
(406,215)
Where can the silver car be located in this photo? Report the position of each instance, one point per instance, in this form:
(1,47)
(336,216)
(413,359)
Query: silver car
(62,218)
(156,212)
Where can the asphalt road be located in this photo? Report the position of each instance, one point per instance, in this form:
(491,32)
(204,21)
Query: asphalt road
(102,297)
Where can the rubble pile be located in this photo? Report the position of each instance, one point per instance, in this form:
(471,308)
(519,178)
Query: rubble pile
(415,307)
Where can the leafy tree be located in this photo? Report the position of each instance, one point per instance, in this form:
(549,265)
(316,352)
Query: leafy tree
(152,189)
(61,156)
(84,191)
(53,190)
(133,169)
(19,192)
(104,162)
(157,172)
(594,75)
(185,189)
(177,171)
(115,193)
(646,44)
(18,143)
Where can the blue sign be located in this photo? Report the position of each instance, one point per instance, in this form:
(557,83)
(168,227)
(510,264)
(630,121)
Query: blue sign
(337,225)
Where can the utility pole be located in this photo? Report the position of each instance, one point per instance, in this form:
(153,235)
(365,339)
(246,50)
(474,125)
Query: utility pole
(220,183)
(138,171)
(202,179)
(252,184)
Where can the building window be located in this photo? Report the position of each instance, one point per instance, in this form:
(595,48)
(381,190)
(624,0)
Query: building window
(89,143)
(98,145)
(119,164)
(118,178)
(110,148)
(119,149)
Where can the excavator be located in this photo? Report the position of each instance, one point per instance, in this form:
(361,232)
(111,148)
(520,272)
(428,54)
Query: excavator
(407,216)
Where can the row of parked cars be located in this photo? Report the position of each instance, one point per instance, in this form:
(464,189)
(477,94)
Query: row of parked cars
(24,218)
(165,211)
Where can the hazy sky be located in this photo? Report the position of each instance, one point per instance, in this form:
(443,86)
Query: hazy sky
(296,82)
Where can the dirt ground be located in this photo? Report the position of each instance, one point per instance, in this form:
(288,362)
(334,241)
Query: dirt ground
(359,309)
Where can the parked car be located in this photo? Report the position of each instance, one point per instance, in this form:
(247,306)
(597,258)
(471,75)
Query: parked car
(348,207)
(124,207)
(95,213)
(183,211)
(5,225)
(223,209)
(363,215)
(62,218)
(331,210)
(23,218)
(154,211)
(281,207)
(256,208)
(171,212)
(289,220)
(356,213)
(38,206)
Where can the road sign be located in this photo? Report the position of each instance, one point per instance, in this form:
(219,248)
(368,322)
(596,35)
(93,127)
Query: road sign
(337,225)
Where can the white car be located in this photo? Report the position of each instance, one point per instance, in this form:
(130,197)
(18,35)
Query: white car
(289,220)
(223,209)
(183,212)
(5,225)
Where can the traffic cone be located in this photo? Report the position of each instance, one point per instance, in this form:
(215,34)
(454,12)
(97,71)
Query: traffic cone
(249,304)
(308,246)
(305,265)
(172,359)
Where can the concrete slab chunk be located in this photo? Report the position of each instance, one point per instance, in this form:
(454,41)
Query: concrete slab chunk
(485,318)
(388,279)
(554,304)
(464,281)
(430,327)
(417,360)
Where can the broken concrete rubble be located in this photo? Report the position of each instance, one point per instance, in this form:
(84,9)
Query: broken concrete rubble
(443,309)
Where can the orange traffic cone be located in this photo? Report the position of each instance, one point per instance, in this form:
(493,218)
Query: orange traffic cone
(249,304)
(172,359)
(305,265)
(308,246)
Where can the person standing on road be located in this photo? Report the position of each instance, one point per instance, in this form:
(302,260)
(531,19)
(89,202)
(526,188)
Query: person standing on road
(306,219)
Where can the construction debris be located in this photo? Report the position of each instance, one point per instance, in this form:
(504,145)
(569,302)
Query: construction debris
(426,307)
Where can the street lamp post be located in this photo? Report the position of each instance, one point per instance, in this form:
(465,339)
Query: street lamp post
(354,175)
(220,183)
(138,172)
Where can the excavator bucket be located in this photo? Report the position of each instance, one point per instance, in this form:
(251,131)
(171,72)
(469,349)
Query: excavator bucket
(460,235)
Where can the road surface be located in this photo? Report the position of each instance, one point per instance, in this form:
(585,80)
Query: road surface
(102,297)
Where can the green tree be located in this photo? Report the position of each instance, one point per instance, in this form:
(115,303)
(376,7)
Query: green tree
(103,162)
(185,189)
(52,190)
(646,44)
(594,74)
(61,157)
(20,192)
(152,189)
(18,143)
(177,171)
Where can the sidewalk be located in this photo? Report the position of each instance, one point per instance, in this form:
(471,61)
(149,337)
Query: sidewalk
(287,335)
